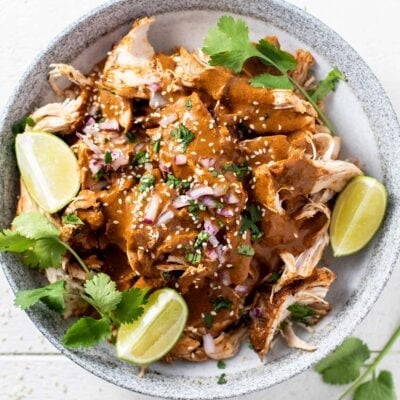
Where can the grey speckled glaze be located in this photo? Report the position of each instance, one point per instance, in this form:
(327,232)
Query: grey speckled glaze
(360,278)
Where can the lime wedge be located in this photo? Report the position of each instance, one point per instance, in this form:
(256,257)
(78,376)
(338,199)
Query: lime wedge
(357,215)
(49,169)
(155,333)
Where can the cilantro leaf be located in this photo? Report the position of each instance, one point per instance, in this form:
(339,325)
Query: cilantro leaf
(221,303)
(222,379)
(155,145)
(193,258)
(146,181)
(241,170)
(228,44)
(14,242)
(101,292)
(327,85)
(183,135)
(269,81)
(379,388)
(300,312)
(245,250)
(34,225)
(130,308)
(250,218)
(72,219)
(131,137)
(195,208)
(208,320)
(221,364)
(87,332)
(19,127)
(188,104)
(343,365)
(285,61)
(176,183)
(201,238)
(142,157)
(52,295)
(48,253)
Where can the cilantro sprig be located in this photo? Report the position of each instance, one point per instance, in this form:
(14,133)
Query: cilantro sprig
(184,135)
(228,44)
(327,85)
(344,366)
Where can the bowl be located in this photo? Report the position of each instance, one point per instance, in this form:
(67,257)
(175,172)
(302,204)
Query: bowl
(363,117)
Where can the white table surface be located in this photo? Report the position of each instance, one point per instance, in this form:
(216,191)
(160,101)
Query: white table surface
(30,367)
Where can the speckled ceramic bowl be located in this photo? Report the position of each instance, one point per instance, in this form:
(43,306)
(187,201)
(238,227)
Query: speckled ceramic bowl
(362,114)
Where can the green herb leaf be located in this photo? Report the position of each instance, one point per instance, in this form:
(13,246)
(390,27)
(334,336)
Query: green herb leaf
(45,253)
(177,183)
(20,126)
(274,276)
(52,295)
(87,332)
(141,158)
(193,258)
(183,135)
(241,170)
(379,388)
(13,242)
(343,365)
(195,208)
(201,238)
(269,81)
(251,216)
(101,292)
(34,225)
(130,308)
(228,44)
(107,157)
(245,250)
(131,137)
(285,61)
(72,219)
(208,320)
(155,145)
(327,85)
(222,379)
(221,303)
(188,104)
(221,364)
(146,181)
(300,312)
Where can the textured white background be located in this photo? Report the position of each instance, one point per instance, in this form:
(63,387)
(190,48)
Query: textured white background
(30,368)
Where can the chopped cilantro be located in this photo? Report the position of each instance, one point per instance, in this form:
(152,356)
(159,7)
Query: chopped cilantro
(99,175)
(193,258)
(141,158)
(72,219)
(222,379)
(245,250)
(183,135)
(201,238)
(155,145)
(208,320)
(221,364)
(251,216)
(177,183)
(131,137)
(300,312)
(274,277)
(146,181)
(188,104)
(195,208)
(107,157)
(214,173)
(221,303)
(241,170)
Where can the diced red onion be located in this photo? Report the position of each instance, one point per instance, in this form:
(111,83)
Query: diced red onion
(256,312)
(180,159)
(164,167)
(90,122)
(118,159)
(89,143)
(208,344)
(213,240)
(210,227)
(165,217)
(209,202)
(181,201)
(207,162)
(241,289)
(152,210)
(220,190)
(96,165)
(168,119)
(231,198)
(225,212)
(212,254)
(225,278)
(109,125)
(155,86)
(200,191)
(220,253)
(157,100)
(93,110)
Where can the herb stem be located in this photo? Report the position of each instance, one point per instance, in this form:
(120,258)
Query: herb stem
(75,254)
(374,364)
(321,115)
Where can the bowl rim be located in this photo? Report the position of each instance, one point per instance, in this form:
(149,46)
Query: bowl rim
(351,320)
